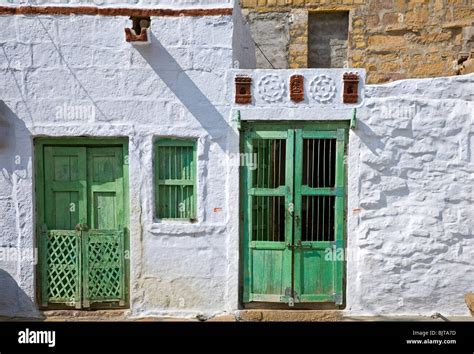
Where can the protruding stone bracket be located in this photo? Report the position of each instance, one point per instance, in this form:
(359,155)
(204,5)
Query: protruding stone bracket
(351,88)
(243,93)
(132,37)
(297,88)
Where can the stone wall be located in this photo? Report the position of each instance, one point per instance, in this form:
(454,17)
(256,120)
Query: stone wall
(391,39)
(328,32)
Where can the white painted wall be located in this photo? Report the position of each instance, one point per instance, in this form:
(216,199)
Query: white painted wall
(162,4)
(173,87)
(411,177)
(410,212)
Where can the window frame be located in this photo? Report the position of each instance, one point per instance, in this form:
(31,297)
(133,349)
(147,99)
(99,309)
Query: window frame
(176,142)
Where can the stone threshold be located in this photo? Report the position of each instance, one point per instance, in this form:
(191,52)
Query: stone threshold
(238,316)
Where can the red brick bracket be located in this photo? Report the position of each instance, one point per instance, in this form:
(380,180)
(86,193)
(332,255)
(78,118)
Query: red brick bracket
(351,88)
(142,38)
(297,88)
(243,93)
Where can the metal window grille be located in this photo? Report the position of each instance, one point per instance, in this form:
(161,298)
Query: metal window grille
(175,173)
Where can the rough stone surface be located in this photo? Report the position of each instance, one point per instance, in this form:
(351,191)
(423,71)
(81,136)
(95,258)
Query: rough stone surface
(288,316)
(391,39)
(410,215)
(470,302)
(127,3)
(327,39)
(273,39)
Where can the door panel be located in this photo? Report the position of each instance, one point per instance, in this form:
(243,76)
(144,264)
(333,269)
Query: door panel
(65,187)
(103,266)
(83,187)
(319,188)
(292,220)
(268,199)
(105,184)
(61,273)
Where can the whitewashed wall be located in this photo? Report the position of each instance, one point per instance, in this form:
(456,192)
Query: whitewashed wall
(126,3)
(411,196)
(173,87)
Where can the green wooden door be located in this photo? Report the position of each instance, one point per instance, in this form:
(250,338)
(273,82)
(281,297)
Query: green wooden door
(268,204)
(305,263)
(81,208)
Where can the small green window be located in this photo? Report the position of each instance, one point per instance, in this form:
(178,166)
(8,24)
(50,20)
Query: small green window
(175,179)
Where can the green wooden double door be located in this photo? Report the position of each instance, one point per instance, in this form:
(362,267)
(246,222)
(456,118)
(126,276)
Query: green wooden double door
(293,208)
(81,211)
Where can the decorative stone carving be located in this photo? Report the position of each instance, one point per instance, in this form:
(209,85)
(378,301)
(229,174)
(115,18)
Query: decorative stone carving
(351,85)
(243,94)
(322,89)
(297,88)
(271,88)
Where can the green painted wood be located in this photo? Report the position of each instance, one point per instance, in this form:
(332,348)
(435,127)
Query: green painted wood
(92,180)
(319,134)
(297,264)
(175,179)
(337,191)
(65,187)
(340,209)
(103,267)
(298,255)
(105,188)
(62,281)
(267,195)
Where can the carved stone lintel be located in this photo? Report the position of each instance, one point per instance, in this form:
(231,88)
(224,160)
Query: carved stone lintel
(297,88)
(351,87)
(131,36)
(243,94)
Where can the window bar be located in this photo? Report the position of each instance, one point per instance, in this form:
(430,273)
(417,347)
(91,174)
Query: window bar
(324,162)
(168,208)
(267,199)
(257,185)
(324,185)
(330,164)
(273,185)
(313,183)
(318,163)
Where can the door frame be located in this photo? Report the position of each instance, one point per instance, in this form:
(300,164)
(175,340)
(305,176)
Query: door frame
(38,189)
(283,125)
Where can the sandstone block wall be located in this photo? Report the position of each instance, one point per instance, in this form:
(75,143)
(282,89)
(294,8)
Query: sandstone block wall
(391,39)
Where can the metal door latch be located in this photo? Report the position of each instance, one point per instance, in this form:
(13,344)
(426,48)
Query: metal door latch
(291,208)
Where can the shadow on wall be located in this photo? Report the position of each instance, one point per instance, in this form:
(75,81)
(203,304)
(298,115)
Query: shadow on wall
(13,300)
(15,154)
(166,67)
(14,138)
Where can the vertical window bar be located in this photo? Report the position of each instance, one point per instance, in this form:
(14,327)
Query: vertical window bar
(258,185)
(313,183)
(330,164)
